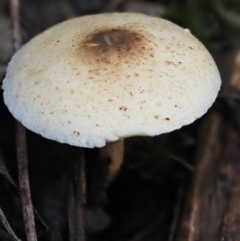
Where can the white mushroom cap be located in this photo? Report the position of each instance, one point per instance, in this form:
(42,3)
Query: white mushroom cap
(95,79)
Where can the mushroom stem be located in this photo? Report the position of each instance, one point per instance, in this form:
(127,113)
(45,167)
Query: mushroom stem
(80,199)
(114,151)
(77,199)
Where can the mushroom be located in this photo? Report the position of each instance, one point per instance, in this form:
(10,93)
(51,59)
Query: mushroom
(95,80)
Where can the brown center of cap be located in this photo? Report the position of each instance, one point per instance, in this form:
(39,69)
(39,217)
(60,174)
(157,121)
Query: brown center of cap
(115,47)
(113,40)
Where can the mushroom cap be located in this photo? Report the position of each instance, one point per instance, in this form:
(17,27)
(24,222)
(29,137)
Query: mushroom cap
(98,78)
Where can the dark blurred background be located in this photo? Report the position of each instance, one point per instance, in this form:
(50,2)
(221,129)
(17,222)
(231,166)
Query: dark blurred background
(140,204)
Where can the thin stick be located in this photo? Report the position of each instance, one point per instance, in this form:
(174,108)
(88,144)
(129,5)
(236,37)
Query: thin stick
(17,39)
(28,214)
(4,172)
(177,212)
(182,162)
(202,210)
(25,193)
(7,226)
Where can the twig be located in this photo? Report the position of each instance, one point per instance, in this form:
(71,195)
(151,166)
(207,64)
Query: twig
(8,227)
(21,143)
(28,214)
(177,212)
(4,172)
(25,193)
(229,169)
(203,210)
(17,40)
(183,162)
(40,218)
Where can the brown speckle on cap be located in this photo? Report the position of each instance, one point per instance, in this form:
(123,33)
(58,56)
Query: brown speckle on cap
(171,63)
(76,133)
(123,108)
